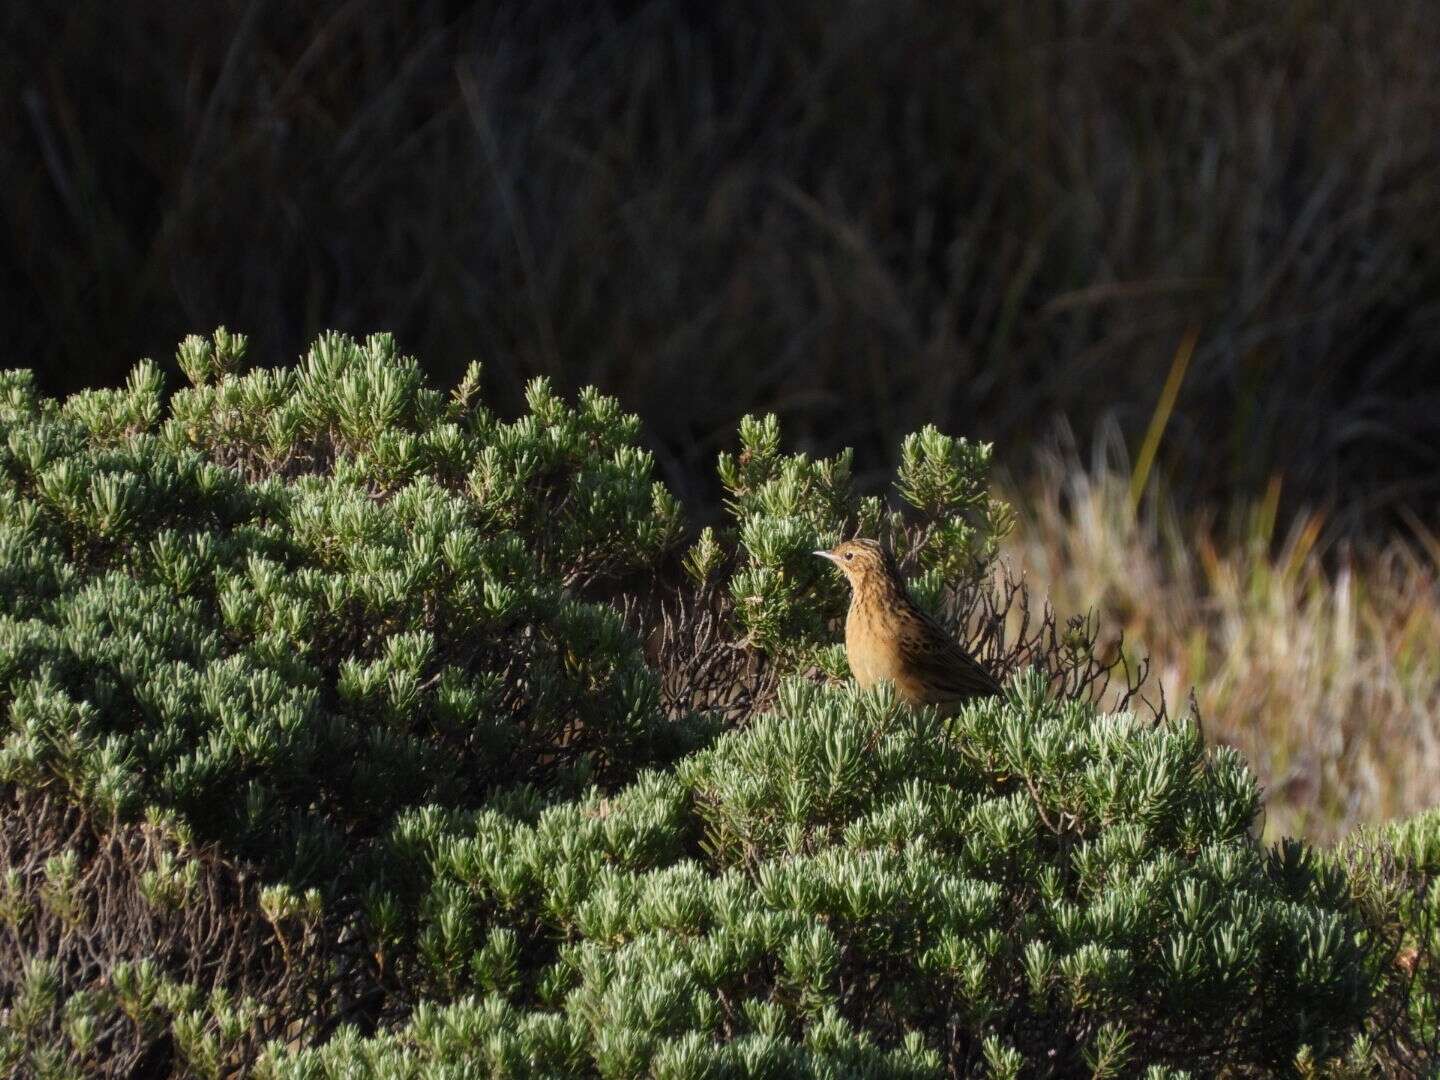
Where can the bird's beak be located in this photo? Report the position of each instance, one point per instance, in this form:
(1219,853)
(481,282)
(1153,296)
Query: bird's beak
(824,555)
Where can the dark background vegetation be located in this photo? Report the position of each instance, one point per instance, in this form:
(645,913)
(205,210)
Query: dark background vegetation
(862,216)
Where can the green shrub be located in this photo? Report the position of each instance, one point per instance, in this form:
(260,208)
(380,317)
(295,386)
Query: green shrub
(478,768)
(1033,880)
(287,650)
(1395,877)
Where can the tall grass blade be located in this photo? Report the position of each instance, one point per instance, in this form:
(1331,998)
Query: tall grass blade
(1161,417)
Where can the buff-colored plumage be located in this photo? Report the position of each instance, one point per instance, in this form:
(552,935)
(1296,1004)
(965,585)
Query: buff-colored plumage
(888,637)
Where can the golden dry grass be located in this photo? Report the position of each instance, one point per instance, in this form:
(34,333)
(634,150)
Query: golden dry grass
(1319,661)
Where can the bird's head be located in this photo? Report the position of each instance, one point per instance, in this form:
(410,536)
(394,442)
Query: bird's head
(861,561)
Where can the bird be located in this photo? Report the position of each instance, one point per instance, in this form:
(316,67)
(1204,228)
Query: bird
(887,636)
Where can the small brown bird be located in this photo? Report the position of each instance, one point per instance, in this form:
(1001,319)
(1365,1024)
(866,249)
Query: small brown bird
(888,637)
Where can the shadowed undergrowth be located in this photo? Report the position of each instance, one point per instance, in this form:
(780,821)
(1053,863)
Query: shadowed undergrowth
(861,217)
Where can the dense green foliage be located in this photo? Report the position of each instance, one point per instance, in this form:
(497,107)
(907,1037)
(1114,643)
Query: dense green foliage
(336,717)
(285,661)
(847,872)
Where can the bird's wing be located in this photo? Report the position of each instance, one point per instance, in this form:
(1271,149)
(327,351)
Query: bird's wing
(947,670)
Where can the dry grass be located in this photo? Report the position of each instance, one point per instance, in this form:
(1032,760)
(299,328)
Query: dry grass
(1320,662)
(862,217)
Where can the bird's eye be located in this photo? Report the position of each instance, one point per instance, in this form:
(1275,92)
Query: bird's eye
(849,555)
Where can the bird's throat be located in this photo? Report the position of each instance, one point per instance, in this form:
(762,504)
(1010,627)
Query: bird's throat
(877,591)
